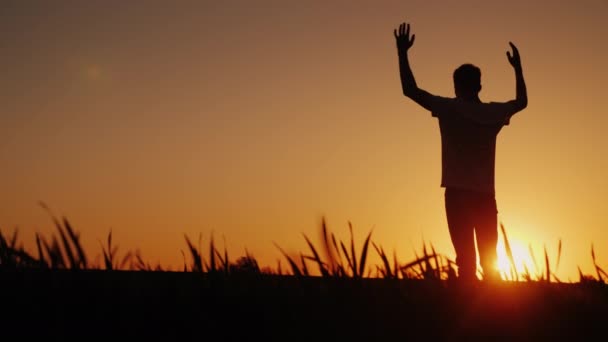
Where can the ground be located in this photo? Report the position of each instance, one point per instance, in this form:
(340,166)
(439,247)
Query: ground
(146,304)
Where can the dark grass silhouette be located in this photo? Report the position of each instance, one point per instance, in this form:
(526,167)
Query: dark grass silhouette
(60,294)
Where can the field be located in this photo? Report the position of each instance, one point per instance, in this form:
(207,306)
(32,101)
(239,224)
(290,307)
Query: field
(58,294)
(152,304)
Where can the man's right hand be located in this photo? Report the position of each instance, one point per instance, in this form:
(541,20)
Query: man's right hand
(521,99)
(402,36)
(514,59)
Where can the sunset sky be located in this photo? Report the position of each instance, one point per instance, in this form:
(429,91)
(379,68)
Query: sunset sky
(253,119)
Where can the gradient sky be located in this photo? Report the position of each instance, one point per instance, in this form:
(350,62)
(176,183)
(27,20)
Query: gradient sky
(252,119)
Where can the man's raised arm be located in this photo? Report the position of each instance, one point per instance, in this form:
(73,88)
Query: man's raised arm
(521,96)
(408,82)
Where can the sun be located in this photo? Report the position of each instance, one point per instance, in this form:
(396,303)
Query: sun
(522,261)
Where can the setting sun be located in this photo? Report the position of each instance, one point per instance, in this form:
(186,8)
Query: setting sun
(522,260)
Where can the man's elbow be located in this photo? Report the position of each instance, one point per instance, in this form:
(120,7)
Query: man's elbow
(409,92)
(522,103)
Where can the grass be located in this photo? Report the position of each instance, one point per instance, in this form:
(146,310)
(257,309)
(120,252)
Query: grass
(334,258)
(334,266)
(328,291)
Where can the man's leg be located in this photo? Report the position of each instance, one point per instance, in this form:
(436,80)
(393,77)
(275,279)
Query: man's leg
(487,235)
(458,209)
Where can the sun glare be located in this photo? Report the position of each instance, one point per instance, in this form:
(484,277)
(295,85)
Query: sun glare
(522,261)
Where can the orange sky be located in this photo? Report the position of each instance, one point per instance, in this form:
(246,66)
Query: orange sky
(254,119)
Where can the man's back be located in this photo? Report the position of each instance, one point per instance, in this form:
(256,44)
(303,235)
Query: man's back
(468,143)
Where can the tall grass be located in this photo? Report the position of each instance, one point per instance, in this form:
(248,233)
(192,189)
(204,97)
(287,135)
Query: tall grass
(432,265)
(342,260)
(336,252)
(332,258)
(217,262)
(14,256)
(601,275)
(110,259)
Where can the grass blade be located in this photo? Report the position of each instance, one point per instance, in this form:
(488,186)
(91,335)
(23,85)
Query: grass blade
(196,256)
(547,266)
(597,269)
(526,275)
(328,248)
(75,239)
(304,268)
(41,259)
(13,244)
(321,264)
(601,271)
(350,264)
(107,254)
(437,270)
(126,259)
(56,254)
(582,277)
(559,254)
(509,252)
(364,253)
(185,269)
(66,247)
(536,268)
(212,251)
(340,268)
(226,261)
(352,249)
(395,265)
(294,267)
(387,267)
(5,255)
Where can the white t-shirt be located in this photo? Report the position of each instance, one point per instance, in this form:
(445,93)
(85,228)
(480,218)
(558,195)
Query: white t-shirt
(468,140)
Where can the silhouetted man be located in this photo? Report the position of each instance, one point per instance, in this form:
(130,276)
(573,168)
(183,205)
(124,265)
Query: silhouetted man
(468,143)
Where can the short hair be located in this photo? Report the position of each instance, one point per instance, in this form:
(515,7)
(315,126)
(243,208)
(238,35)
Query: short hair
(467,77)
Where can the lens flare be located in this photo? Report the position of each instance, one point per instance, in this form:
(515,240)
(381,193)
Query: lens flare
(520,266)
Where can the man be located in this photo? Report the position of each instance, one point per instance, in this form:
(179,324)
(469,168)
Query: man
(468,143)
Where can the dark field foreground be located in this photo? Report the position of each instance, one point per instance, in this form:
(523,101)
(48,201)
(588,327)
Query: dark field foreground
(141,304)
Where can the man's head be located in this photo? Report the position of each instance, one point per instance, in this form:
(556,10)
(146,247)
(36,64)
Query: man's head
(467,81)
